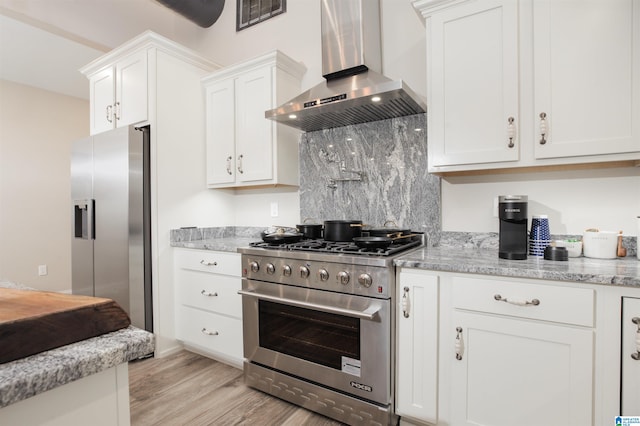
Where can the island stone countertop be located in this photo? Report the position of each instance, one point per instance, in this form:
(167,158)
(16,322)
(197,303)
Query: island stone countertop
(47,370)
(621,271)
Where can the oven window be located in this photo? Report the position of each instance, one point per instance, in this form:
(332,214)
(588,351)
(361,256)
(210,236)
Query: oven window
(314,336)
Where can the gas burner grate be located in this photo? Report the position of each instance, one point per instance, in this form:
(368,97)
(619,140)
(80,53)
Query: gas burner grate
(349,247)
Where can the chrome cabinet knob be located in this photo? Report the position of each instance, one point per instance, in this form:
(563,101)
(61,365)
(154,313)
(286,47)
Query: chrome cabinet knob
(343,277)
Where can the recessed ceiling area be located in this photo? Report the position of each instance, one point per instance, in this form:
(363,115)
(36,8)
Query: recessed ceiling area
(35,57)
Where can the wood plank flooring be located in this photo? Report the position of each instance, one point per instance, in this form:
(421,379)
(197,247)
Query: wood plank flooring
(189,389)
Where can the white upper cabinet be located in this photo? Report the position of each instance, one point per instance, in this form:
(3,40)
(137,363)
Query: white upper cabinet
(473,87)
(119,94)
(243,147)
(221,127)
(586,59)
(528,83)
(120,81)
(132,96)
(103,98)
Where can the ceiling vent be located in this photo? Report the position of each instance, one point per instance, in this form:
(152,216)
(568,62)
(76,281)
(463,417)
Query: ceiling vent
(203,12)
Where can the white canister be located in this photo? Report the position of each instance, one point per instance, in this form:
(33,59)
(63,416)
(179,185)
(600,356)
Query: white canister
(600,244)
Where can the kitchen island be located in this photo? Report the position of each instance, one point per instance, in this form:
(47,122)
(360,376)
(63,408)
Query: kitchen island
(81,383)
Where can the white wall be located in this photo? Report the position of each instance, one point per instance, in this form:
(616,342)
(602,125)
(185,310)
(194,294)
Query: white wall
(606,198)
(296,33)
(37,129)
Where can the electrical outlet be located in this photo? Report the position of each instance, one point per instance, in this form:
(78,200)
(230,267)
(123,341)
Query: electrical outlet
(42,270)
(274,209)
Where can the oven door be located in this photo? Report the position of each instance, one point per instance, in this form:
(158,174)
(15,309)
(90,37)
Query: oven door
(337,340)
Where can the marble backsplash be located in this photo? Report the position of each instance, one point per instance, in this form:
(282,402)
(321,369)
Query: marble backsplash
(374,172)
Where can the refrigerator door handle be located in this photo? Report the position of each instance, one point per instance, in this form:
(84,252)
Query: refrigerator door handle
(84,219)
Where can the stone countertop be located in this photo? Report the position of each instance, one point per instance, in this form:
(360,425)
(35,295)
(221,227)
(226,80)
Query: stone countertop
(228,244)
(623,271)
(47,370)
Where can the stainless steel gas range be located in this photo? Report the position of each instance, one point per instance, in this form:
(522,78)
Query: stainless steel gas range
(318,321)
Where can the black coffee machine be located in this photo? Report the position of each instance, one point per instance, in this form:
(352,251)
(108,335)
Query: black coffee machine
(512,211)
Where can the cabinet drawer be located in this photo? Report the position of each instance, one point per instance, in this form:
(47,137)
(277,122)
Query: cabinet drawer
(211,332)
(209,261)
(215,293)
(558,304)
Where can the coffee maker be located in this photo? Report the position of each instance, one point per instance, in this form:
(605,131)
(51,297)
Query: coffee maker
(512,211)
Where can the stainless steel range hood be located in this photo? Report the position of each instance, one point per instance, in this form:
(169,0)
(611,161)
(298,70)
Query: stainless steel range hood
(354,91)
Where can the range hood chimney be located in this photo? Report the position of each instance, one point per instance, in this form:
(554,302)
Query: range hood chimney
(202,12)
(354,91)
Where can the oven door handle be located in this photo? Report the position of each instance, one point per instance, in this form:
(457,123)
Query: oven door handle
(369,314)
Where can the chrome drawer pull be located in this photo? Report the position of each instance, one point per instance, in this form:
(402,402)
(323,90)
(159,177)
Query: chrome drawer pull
(240,157)
(406,304)
(229,158)
(511,131)
(208,333)
(543,128)
(459,344)
(208,263)
(209,294)
(109,111)
(518,302)
(636,321)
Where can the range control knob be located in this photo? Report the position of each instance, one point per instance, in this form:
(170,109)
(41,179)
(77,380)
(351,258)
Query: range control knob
(255,267)
(343,277)
(286,270)
(271,269)
(365,280)
(304,272)
(323,274)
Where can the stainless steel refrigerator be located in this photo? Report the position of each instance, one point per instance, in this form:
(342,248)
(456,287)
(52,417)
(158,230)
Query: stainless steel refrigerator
(111,228)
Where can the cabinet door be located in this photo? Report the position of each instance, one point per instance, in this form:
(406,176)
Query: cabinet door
(221,135)
(473,83)
(417,346)
(131,89)
(102,94)
(587,77)
(519,372)
(630,398)
(254,142)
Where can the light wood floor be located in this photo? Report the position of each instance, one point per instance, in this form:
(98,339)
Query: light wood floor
(189,389)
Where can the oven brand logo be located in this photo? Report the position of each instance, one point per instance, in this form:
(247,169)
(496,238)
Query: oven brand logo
(360,386)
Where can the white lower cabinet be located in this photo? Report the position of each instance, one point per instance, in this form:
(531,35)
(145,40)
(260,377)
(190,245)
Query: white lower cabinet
(417,346)
(209,308)
(513,371)
(494,351)
(523,353)
(630,373)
